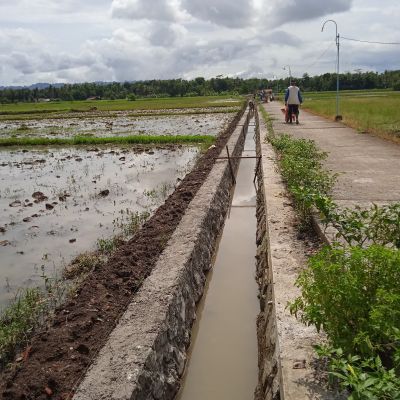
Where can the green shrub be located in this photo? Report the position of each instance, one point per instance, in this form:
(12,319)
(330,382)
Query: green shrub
(365,378)
(377,225)
(301,167)
(354,296)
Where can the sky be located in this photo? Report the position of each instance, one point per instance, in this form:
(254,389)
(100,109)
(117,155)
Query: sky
(126,40)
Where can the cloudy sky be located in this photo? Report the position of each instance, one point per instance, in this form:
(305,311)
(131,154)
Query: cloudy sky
(117,40)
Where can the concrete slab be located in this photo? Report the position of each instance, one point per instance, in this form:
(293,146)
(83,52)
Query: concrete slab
(368,166)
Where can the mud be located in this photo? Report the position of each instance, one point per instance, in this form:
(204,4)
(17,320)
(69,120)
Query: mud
(56,203)
(61,353)
(118,125)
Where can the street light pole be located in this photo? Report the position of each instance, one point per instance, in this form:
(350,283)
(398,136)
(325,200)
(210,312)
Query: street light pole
(290,73)
(275,78)
(337,38)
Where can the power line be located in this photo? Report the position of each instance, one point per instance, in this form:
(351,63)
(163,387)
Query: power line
(367,41)
(319,57)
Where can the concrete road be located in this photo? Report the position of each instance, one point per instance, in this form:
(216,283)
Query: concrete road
(368,166)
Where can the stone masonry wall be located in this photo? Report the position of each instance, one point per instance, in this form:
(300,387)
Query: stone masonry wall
(268,380)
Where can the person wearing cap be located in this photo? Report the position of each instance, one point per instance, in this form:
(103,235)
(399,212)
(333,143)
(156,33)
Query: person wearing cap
(293,100)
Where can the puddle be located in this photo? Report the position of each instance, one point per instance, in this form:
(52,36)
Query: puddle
(119,125)
(223,356)
(89,193)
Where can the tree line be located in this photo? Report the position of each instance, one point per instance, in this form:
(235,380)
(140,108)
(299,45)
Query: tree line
(199,87)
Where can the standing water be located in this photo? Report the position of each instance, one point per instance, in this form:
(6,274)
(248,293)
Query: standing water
(223,356)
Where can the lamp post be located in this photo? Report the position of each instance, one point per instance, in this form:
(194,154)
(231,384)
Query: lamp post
(337,38)
(290,73)
(275,78)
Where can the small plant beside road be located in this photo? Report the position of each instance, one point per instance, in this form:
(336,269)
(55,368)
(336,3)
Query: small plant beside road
(352,293)
(301,166)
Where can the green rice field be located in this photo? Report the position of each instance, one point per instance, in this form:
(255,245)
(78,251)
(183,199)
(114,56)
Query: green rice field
(7,110)
(368,111)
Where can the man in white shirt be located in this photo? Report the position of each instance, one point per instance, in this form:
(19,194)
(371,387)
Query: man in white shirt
(293,99)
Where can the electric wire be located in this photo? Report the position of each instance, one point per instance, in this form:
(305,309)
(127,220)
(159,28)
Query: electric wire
(367,41)
(320,56)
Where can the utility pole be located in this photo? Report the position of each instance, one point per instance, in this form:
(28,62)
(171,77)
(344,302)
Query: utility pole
(275,78)
(290,73)
(337,38)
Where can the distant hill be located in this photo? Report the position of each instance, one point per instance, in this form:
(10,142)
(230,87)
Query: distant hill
(45,85)
(40,85)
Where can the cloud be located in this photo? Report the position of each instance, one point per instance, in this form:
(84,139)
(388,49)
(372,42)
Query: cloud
(228,13)
(280,38)
(19,39)
(164,34)
(145,39)
(301,10)
(159,10)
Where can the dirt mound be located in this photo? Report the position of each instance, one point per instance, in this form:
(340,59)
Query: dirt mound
(59,356)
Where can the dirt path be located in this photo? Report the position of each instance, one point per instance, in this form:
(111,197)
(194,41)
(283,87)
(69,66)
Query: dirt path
(368,166)
(59,356)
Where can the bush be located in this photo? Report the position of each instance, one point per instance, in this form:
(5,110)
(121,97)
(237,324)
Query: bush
(396,85)
(354,295)
(377,225)
(366,378)
(301,167)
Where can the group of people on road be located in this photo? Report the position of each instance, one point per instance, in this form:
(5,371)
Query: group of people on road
(293,99)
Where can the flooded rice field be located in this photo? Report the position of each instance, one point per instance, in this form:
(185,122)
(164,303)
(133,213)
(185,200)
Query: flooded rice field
(56,203)
(118,124)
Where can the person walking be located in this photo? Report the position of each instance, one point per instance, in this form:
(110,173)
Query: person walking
(293,100)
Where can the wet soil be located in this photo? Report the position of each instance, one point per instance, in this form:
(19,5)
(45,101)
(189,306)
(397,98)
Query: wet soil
(55,203)
(118,125)
(58,357)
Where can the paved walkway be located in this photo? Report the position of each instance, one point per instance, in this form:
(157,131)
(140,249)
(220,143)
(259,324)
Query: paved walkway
(369,166)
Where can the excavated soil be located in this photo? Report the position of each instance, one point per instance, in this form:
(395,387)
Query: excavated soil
(57,358)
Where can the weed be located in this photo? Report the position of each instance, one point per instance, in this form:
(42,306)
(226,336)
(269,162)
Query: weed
(136,220)
(301,167)
(18,320)
(107,246)
(366,378)
(378,225)
(82,264)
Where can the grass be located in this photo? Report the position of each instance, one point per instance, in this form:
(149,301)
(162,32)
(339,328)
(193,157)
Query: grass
(118,105)
(18,320)
(88,140)
(374,112)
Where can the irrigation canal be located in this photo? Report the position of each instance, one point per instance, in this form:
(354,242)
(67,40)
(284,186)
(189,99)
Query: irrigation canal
(223,356)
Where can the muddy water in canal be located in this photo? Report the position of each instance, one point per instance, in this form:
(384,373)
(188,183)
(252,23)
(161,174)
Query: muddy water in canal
(56,203)
(223,356)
